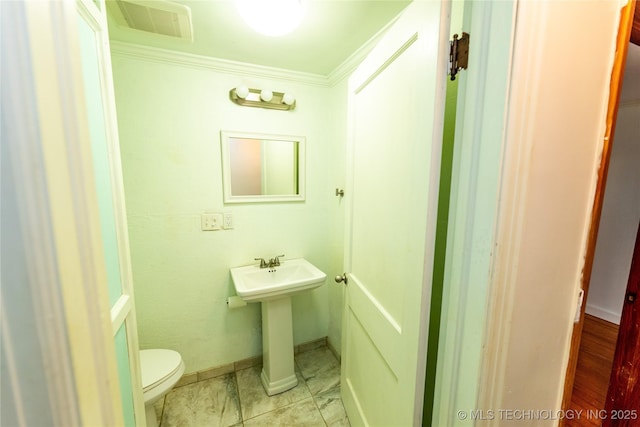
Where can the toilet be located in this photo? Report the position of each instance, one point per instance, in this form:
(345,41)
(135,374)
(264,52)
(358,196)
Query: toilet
(161,370)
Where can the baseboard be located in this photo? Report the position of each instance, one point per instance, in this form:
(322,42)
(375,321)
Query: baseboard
(238,365)
(608,315)
(333,349)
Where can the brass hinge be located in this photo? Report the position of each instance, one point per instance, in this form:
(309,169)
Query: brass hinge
(458,54)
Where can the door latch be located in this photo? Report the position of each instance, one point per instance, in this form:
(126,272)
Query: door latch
(631,297)
(342,278)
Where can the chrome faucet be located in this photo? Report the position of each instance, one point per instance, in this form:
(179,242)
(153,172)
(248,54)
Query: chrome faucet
(273,262)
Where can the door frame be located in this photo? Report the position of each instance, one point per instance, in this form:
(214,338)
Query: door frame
(541,229)
(482,355)
(52,163)
(618,393)
(59,222)
(617,74)
(122,312)
(475,189)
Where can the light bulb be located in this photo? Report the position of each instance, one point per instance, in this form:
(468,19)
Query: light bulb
(242,92)
(288,99)
(271,17)
(266,95)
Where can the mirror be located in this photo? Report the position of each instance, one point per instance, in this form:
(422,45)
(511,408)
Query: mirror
(262,168)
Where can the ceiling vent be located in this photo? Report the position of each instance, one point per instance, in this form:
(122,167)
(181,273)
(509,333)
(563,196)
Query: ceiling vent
(157,17)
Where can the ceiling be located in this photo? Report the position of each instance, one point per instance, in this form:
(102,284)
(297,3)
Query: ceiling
(330,32)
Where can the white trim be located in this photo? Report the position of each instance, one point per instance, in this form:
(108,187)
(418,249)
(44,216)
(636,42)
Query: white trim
(475,183)
(603,313)
(226,135)
(532,301)
(66,213)
(119,312)
(90,13)
(75,221)
(345,69)
(411,40)
(514,183)
(123,311)
(163,56)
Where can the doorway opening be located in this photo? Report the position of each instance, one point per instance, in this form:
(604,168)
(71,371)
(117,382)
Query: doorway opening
(594,342)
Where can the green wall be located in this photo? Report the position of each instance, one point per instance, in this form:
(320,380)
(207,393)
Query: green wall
(446,167)
(440,249)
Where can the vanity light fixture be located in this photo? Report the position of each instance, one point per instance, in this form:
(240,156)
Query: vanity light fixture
(265,98)
(266,95)
(242,91)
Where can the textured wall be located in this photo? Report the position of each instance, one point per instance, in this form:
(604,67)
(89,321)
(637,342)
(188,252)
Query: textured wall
(170,116)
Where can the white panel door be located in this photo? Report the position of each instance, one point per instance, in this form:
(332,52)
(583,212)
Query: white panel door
(396,104)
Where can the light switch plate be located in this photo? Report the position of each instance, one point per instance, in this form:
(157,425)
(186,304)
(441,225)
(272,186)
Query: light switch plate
(211,221)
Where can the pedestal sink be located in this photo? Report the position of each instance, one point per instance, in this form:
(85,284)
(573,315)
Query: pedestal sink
(273,287)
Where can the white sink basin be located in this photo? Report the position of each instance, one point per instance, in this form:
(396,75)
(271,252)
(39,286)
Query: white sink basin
(273,287)
(253,283)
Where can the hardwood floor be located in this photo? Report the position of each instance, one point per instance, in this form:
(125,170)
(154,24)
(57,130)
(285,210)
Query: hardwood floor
(595,359)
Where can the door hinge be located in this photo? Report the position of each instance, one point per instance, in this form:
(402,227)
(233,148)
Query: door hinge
(458,54)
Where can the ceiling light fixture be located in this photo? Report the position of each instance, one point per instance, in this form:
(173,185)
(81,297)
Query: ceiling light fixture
(271,17)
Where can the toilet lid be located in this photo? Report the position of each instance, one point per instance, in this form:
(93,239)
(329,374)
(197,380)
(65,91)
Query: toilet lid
(158,364)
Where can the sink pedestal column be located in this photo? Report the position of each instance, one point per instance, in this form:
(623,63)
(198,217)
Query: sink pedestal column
(277,346)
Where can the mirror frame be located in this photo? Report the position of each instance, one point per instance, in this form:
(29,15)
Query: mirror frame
(226,135)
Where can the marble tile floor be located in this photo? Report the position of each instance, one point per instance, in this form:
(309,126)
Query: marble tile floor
(238,398)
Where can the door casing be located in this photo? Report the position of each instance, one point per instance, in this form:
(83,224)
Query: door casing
(622,44)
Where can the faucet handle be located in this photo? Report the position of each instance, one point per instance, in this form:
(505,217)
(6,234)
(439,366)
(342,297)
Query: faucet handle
(263,263)
(276,261)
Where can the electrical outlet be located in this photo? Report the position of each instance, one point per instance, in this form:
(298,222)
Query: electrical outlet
(227,223)
(211,221)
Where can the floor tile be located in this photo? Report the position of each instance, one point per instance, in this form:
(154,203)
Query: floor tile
(320,369)
(303,413)
(255,401)
(331,408)
(212,402)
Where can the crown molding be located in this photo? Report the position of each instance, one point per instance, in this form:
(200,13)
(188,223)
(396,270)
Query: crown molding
(164,56)
(342,71)
(349,65)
